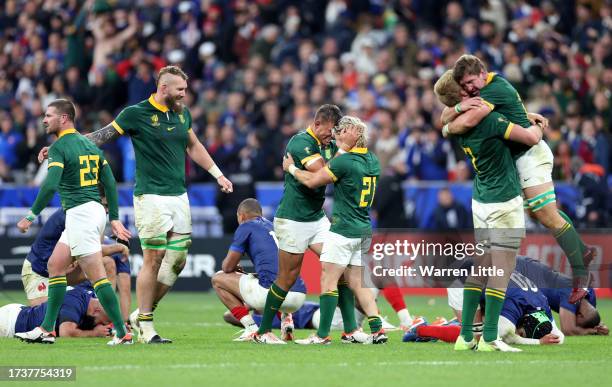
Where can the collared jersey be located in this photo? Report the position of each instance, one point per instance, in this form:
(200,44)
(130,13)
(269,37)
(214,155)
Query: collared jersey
(160,138)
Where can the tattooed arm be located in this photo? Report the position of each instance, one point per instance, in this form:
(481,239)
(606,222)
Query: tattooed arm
(104,135)
(99,137)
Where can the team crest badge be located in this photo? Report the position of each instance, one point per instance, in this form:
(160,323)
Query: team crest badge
(328,153)
(182,118)
(154,120)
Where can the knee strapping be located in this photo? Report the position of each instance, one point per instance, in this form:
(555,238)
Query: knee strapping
(540,201)
(174,260)
(154,243)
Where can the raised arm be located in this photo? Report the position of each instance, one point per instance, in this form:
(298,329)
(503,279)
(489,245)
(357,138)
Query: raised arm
(466,121)
(200,156)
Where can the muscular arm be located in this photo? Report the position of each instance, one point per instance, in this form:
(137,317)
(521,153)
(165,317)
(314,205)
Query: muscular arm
(466,121)
(448,115)
(117,248)
(231,261)
(71,329)
(528,136)
(314,179)
(104,135)
(198,153)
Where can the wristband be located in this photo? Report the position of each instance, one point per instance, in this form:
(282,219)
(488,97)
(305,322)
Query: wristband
(292,169)
(30,217)
(215,171)
(458,108)
(445,131)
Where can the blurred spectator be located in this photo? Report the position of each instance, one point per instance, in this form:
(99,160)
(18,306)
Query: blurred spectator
(449,214)
(258,68)
(430,157)
(10,139)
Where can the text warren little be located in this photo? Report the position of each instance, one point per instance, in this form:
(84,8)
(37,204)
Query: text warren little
(432,271)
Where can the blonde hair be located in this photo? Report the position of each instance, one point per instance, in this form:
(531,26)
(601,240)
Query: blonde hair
(173,70)
(348,121)
(447,90)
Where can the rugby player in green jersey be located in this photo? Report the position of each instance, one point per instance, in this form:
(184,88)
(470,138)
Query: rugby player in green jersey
(534,164)
(354,174)
(75,166)
(497,211)
(301,224)
(160,129)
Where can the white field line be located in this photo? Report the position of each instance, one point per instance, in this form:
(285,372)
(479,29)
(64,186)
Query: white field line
(427,363)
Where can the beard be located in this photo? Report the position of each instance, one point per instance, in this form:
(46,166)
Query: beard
(174,104)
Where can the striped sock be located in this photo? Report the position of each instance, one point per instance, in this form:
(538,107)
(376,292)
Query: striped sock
(327,302)
(106,295)
(494,301)
(471,300)
(57,292)
(274,300)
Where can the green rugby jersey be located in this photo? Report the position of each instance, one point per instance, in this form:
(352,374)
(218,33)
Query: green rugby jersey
(82,162)
(159,136)
(355,175)
(496,176)
(504,99)
(300,203)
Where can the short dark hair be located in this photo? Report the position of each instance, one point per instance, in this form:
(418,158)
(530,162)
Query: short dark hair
(174,70)
(250,206)
(590,314)
(328,113)
(63,106)
(467,65)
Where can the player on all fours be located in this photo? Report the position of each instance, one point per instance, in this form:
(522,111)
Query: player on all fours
(160,130)
(34,273)
(75,164)
(499,220)
(301,224)
(240,291)
(534,164)
(81,315)
(354,174)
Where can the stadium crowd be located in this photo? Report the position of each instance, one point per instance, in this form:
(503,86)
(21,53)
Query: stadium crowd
(258,69)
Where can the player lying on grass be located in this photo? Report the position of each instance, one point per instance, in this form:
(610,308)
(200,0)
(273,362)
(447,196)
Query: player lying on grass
(532,281)
(354,174)
(75,165)
(239,291)
(497,210)
(80,315)
(301,224)
(575,319)
(35,276)
(534,164)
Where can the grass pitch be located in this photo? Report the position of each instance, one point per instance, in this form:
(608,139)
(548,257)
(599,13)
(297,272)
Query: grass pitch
(203,354)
